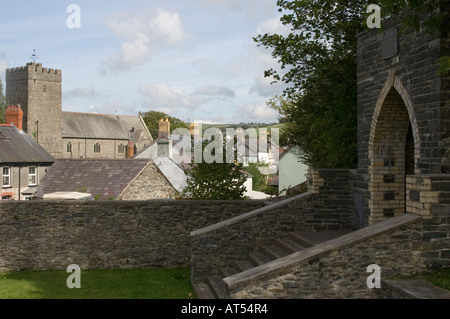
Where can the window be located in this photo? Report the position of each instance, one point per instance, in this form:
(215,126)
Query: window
(44,88)
(97,148)
(32,176)
(69,147)
(121,149)
(6,176)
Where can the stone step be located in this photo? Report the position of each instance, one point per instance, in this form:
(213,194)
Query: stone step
(299,238)
(203,291)
(243,265)
(217,286)
(289,245)
(214,287)
(275,252)
(308,239)
(258,259)
(227,272)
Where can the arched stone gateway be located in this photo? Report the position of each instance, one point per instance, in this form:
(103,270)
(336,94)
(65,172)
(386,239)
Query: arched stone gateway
(403,123)
(393,150)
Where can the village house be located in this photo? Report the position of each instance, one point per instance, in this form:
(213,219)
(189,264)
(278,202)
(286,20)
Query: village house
(106,179)
(23,161)
(291,172)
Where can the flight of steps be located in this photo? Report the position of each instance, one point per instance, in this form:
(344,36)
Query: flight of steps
(214,288)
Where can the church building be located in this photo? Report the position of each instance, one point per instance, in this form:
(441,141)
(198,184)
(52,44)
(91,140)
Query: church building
(37,90)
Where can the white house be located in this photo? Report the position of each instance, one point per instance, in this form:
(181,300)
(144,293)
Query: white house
(291,172)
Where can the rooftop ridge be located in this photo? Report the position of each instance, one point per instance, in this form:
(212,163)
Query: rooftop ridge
(105,159)
(102,114)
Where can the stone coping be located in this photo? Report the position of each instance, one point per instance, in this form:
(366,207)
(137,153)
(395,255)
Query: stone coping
(283,265)
(248,215)
(416,289)
(127,202)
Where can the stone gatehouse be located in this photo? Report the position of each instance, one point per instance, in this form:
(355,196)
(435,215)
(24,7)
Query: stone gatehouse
(403,122)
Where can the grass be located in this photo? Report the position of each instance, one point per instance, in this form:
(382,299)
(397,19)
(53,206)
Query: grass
(439,278)
(98,284)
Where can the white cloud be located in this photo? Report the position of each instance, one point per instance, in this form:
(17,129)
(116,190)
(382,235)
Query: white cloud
(255,112)
(264,87)
(169,99)
(114,107)
(217,91)
(80,92)
(273,26)
(162,96)
(142,35)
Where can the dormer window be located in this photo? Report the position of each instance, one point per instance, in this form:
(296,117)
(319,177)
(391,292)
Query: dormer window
(97,148)
(121,149)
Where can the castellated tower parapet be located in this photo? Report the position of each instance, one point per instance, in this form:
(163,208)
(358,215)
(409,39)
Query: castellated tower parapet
(38,91)
(34,71)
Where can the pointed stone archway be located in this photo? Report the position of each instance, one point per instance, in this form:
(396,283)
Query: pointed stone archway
(393,150)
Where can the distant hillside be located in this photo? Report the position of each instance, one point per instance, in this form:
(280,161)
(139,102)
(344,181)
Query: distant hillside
(245,126)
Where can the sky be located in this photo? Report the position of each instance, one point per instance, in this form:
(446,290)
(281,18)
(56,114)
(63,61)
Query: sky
(192,59)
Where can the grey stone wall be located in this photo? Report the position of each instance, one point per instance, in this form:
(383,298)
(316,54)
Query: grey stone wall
(221,244)
(338,269)
(331,198)
(105,234)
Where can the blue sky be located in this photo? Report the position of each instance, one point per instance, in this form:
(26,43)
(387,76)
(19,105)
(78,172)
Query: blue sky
(193,59)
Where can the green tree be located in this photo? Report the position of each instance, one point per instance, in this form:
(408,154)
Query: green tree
(215,181)
(3,103)
(318,60)
(152,119)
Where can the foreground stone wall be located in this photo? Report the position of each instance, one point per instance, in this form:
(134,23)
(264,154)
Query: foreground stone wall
(105,234)
(220,245)
(401,246)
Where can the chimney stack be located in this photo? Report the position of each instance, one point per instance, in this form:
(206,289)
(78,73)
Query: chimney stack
(164,128)
(14,115)
(130,149)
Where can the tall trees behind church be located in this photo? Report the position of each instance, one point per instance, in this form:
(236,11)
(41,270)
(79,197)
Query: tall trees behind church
(152,119)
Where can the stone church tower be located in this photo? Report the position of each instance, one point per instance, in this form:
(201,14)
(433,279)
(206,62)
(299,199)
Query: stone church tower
(38,91)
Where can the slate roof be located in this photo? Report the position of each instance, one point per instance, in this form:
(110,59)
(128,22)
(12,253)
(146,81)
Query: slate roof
(95,176)
(16,147)
(174,173)
(101,126)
